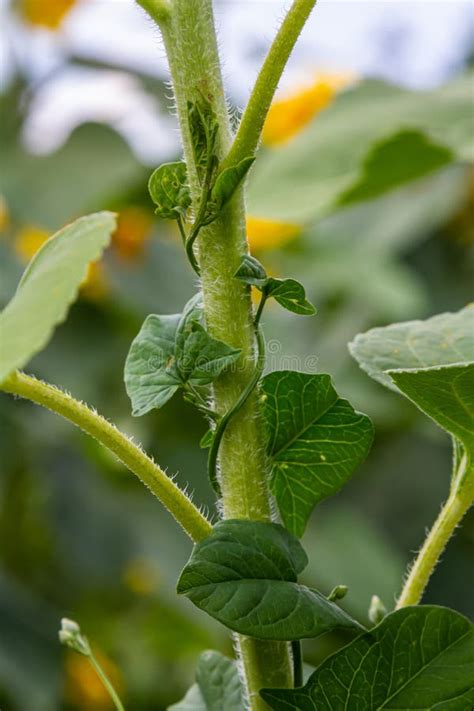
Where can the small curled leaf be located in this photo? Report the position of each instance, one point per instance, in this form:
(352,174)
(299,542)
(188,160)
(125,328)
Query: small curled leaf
(251,271)
(168,187)
(228,181)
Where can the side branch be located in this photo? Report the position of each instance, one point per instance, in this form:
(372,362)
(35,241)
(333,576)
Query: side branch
(181,508)
(251,125)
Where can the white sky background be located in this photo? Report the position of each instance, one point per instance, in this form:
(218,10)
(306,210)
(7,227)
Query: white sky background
(417,43)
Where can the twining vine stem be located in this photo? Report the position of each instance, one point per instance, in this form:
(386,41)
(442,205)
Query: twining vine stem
(181,508)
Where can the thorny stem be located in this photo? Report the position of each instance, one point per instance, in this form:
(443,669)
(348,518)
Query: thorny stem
(181,508)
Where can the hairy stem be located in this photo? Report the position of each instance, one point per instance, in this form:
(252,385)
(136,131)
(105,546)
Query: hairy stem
(181,508)
(191,47)
(457,504)
(251,125)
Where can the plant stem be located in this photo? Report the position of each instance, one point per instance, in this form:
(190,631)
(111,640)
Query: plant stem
(191,47)
(181,508)
(106,682)
(253,119)
(457,504)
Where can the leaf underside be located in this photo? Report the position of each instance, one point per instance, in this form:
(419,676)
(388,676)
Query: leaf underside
(48,287)
(217,686)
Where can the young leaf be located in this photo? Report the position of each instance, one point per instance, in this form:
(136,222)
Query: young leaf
(245,575)
(168,187)
(416,658)
(217,687)
(228,181)
(316,441)
(170,351)
(288,292)
(432,363)
(203,126)
(49,285)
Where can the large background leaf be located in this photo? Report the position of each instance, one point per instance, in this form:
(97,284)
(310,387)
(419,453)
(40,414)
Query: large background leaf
(316,441)
(48,287)
(307,177)
(245,575)
(416,658)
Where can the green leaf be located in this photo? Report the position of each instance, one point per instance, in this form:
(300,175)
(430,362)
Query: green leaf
(218,686)
(228,181)
(245,576)
(168,353)
(168,187)
(304,179)
(432,363)
(288,292)
(203,126)
(416,658)
(446,339)
(206,439)
(48,287)
(316,441)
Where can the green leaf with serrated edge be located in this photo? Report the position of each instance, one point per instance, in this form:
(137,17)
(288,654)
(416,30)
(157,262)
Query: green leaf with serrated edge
(170,351)
(245,576)
(48,287)
(316,441)
(416,658)
(168,188)
(432,363)
(288,292)
(228,181)
(385,166)
(218,686)
(151,377)
(445,339)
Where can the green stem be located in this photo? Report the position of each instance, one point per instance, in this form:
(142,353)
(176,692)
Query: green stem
(454,509)
(253,119)
(242,399)
(106,682)
(181,508)
(191,48)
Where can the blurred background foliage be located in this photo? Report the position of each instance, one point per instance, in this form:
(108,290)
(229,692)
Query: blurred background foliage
(363,191)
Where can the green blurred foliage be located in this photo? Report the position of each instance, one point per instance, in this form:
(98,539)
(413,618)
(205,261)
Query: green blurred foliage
(81,538)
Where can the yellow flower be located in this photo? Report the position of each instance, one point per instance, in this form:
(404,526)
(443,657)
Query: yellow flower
(28,240)
(45,13)
(289,115)
(269,234)
(139,577)
(132,233)
(83,688)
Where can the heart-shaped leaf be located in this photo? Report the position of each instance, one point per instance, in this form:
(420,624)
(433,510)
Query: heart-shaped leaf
(48,287)
(217,687)
(170,352)
(432,363)
(416,658)
(289,293)
(245,575)
(168,187)
(316,441)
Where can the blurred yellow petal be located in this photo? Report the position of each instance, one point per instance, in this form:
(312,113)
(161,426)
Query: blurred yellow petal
(269,234)
(289,115)
(45,13)
(133,231)
(139,577)
(4,214)
(83,688)
(28,240)
(95,286)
